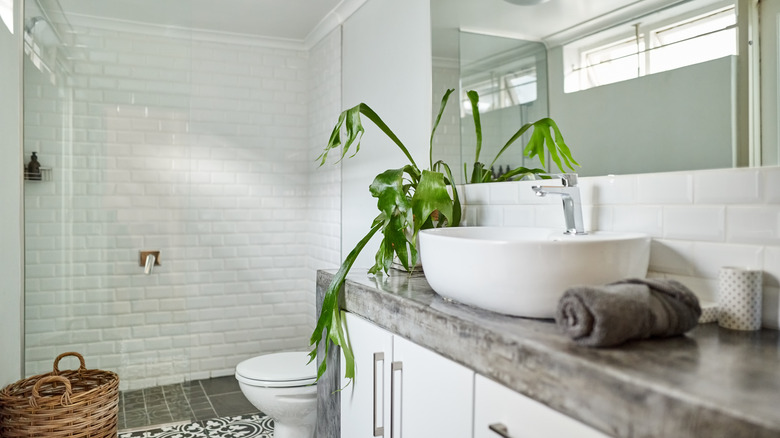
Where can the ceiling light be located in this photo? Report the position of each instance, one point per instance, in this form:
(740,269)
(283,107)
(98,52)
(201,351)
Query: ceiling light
(526,2)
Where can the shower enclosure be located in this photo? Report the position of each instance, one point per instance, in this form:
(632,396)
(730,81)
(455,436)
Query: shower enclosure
(191,143)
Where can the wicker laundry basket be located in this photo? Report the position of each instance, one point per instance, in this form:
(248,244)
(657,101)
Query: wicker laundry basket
(72,403)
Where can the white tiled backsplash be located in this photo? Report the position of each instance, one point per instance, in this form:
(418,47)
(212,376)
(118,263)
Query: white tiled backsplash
(699,221)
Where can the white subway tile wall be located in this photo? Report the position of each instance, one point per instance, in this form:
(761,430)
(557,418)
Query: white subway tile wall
(699,221)
(203,151)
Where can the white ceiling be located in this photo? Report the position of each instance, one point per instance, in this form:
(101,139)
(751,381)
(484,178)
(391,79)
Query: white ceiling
(554,22)
(526,22)
(286,19)
(295,19)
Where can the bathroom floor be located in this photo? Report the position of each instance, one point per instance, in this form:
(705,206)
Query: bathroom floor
(188,401)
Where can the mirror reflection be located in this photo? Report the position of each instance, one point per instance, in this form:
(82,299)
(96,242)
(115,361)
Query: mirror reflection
(641,88)
(510,76)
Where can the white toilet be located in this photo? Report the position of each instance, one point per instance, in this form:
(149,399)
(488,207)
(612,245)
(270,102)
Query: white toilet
(281,385)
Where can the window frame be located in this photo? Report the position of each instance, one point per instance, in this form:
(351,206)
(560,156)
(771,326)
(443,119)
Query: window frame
(576,71)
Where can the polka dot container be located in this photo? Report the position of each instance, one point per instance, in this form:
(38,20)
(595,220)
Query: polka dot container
(739,298)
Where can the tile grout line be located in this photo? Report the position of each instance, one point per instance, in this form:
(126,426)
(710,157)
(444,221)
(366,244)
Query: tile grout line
(208,397)
(188,398)
(124,415)
(146,406)
(167,406)
(187,401)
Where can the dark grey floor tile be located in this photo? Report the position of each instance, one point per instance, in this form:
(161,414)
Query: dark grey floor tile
(177,407)
(176,398)
(154,400)
(220,385)
(231,404)
(137,411)
(191,393)
(135,406)
(133,396)
(154,390)
(197,400)
(204,413)
(158,410)
(160,418)
(205,404)
(137,419)
(182,413)
(192,385)
(169,389)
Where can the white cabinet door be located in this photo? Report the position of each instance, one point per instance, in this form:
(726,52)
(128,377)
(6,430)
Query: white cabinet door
(365,404)
(434,395)
(502,412)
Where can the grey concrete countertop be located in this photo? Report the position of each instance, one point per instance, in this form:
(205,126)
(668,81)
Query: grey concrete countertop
(712,382)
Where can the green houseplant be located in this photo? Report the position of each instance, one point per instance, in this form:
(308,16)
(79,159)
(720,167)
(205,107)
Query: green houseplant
(409,200)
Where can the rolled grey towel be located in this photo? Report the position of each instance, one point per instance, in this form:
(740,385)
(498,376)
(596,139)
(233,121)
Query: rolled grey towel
(603,316)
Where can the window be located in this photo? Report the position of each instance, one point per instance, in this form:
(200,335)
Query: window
(7,14)
(700,39)
(502,91)
(614,62)
(668,41)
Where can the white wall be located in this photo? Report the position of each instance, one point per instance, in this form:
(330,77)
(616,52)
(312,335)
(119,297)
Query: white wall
(699,221)
(386,64)
(681,119)
(10,209)
(197,149)
(324,190)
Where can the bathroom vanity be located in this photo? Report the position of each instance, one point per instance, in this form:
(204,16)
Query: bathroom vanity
(428,367)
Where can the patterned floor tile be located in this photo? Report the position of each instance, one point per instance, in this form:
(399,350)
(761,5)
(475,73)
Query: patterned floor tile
(249,426)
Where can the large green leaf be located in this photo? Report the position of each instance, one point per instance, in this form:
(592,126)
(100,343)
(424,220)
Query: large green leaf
(388,188)
(474,98)
(395,241)
(431,195)
(330,321)
(397,217)
(443,105)
(565,151)
(555,145)
(454,221)
(351,122)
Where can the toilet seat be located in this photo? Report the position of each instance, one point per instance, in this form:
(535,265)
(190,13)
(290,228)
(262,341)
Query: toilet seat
(278,370)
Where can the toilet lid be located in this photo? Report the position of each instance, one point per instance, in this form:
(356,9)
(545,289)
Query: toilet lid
(288,366)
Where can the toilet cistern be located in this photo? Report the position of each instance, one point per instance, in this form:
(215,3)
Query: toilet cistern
(572,203)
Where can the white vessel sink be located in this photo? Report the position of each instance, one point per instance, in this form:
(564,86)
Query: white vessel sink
(524,271)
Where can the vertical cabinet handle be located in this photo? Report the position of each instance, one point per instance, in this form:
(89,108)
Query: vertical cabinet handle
(395,366)
(379,392)
(500,429)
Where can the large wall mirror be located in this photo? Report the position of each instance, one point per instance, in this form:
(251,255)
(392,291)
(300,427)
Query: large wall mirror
(636,86)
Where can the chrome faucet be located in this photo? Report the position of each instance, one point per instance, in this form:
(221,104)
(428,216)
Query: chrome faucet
(572,204)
